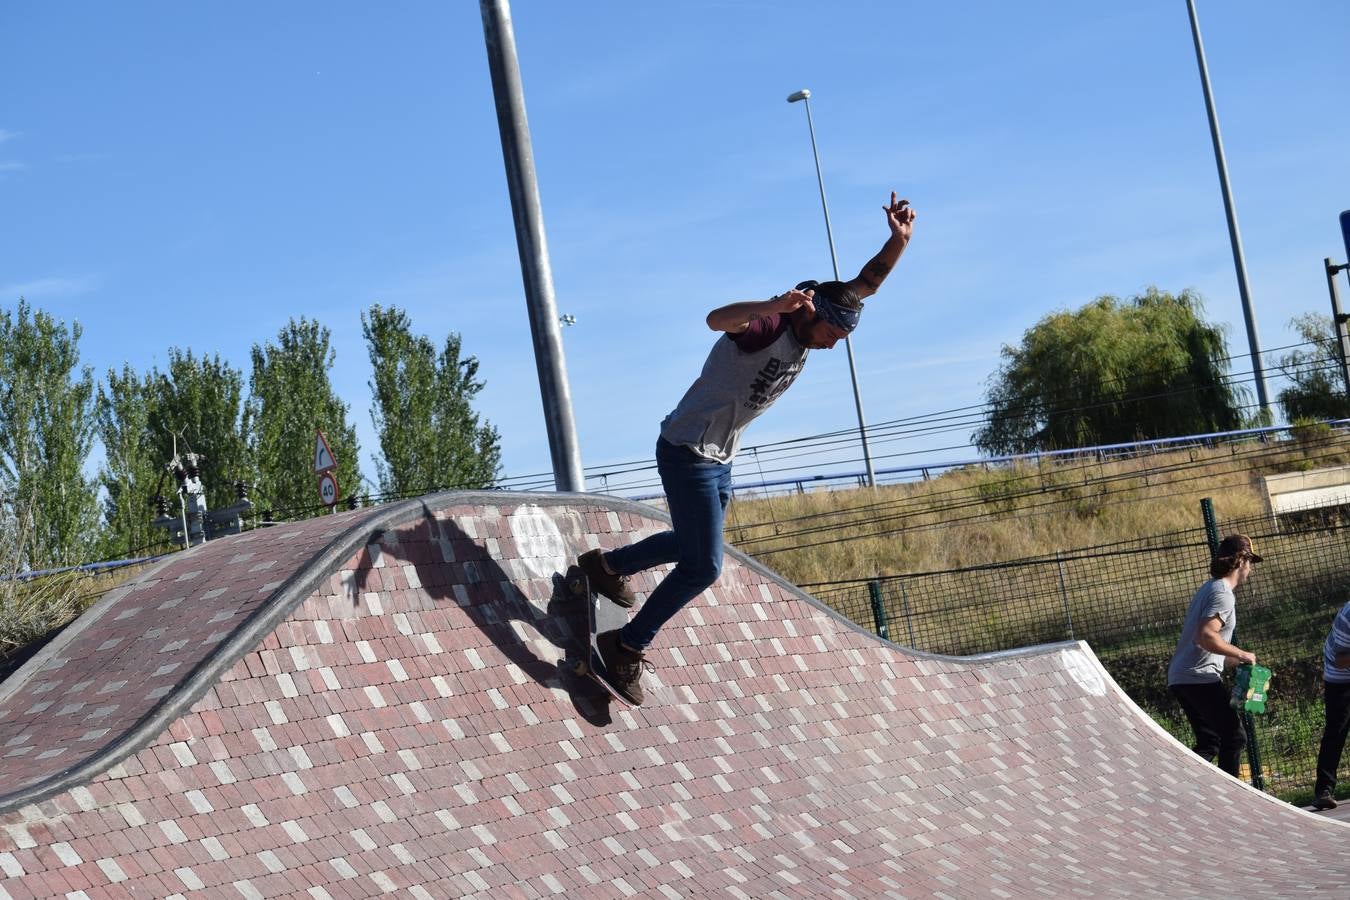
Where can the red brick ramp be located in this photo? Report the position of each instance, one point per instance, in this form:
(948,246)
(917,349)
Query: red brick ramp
(372,702)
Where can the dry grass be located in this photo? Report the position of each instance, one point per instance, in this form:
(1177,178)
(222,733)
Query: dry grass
(976,515)
(31,611)
(31,608)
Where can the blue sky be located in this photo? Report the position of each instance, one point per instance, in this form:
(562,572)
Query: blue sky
(195,174)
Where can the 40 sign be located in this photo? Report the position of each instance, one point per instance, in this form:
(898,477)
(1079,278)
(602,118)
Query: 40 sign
(328,489)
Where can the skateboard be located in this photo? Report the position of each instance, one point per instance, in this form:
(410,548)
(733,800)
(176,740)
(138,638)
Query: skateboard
(602,614)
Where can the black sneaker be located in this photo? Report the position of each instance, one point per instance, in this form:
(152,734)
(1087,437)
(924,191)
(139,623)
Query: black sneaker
(623,666)
(615,587)
(1324,800)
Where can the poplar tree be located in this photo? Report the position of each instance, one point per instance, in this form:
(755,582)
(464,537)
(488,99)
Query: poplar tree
(430,437)
(46,432)
(198,401)
(290,395)
(132,467)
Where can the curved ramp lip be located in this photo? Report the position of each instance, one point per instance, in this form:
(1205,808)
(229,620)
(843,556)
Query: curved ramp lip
(301,584)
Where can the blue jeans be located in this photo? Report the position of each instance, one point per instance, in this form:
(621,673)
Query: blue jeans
(697,492)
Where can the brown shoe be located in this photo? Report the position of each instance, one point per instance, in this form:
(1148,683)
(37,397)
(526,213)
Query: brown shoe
(623,666)
(615,587)
(1325,800)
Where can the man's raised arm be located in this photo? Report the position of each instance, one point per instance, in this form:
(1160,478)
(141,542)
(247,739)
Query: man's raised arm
(736,317)
(900,217)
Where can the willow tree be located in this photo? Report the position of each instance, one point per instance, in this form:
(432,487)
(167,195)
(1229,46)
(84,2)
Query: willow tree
(1112,371)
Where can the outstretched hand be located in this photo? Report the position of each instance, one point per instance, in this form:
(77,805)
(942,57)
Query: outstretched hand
(900,216)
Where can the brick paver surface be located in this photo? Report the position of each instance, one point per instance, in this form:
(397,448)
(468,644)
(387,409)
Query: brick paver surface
(404,723)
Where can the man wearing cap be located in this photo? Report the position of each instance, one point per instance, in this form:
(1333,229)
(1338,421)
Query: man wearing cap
(762,348)
(1195,676)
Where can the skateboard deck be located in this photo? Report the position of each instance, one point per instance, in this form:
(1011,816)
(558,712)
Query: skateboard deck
(602,614)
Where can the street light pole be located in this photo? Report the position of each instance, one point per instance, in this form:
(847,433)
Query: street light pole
(1254,343)
(805,96)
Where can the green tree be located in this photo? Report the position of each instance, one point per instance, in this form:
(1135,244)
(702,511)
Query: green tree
(430,436)
(199,401)
(46,433)
(132,467)
(1316,389)
(290,395)
(1114,370)
(194,406)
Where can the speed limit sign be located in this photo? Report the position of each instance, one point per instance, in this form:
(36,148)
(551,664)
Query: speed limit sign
(328,488)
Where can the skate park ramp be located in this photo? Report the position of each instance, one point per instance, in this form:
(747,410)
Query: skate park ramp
(373,702)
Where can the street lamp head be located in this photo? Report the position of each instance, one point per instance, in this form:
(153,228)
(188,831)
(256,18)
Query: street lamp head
(803,94)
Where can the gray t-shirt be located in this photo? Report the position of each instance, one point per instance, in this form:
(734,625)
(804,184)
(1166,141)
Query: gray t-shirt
(741,378)
(1192,664)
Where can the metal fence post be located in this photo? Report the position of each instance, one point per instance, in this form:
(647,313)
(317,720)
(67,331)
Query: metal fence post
(1211,526)
(878,610)
(1248,722)
(909,622)
(1064,593)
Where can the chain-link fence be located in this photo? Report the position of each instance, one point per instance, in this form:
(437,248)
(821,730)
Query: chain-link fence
(1128,602)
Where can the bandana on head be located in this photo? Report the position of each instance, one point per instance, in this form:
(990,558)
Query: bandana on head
(836,315)
(833,313)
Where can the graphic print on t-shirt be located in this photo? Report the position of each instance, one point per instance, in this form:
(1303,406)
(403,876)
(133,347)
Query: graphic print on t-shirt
(774,377)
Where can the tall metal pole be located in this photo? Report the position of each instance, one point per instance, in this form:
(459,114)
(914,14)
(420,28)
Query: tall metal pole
(1338,320)
(834,261)
(533,247)
(1258,370)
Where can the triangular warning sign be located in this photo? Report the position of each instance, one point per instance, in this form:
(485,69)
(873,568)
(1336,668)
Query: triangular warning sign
(323,455)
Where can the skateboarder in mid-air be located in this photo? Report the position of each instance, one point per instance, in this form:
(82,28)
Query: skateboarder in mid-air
(763,348)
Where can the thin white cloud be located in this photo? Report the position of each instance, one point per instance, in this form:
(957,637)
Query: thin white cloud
(10,165)
(42,288)
(7,135)
(80,157)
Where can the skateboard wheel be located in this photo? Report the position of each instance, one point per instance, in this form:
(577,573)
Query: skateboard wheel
(580,668)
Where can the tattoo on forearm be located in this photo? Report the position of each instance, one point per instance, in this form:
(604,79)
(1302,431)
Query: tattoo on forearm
(876,271)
